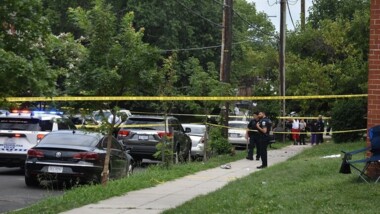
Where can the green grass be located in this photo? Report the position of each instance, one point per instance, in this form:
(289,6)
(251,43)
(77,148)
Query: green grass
(152,176)
(306,183)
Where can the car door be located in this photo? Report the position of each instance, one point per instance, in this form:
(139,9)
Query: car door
(180,137)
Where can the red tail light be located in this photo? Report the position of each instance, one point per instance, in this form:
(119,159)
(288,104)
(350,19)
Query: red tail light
(86,156)
(34,153)
(17,135)
(123,133)
(39,137)
(167,134)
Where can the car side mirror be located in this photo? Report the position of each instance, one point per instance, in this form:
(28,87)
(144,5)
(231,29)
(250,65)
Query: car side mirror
(187,130)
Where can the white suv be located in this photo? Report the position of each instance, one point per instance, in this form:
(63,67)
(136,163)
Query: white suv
(23,130)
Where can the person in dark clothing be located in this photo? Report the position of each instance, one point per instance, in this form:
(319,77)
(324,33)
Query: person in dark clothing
(253,135)
(302,132)
(264,127)
(320,126)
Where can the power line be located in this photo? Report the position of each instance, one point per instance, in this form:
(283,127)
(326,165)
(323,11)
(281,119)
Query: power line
(290,14)
(254,26)
(201,48)
(270,5)
(198,14)
(292,2)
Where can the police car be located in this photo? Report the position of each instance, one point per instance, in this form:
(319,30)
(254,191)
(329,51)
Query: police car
(21,130)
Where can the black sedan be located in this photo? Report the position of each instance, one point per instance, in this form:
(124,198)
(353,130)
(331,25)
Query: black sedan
(75,156)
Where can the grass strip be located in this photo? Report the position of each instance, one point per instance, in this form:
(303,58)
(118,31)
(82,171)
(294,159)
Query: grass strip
(306,183)
(152,176)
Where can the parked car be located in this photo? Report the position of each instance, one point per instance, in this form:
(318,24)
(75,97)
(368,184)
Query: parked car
(197,135)
(75,156)
(142,133)
(21,130)
(236,133)
(2,111)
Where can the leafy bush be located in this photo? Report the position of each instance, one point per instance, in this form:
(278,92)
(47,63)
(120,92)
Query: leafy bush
(348,115)
(218,143)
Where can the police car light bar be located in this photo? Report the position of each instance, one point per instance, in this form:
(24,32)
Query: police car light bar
(48,112)
(32,113)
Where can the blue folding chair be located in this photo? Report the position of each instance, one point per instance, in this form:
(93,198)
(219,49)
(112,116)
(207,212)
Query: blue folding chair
(348,163)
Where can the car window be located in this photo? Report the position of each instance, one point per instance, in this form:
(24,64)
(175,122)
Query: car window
(19,124)
(145,123)
(114,145)
(65,124)
(69,139)
(46,125)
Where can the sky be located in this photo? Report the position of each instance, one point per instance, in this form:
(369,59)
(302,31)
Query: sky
(272,8)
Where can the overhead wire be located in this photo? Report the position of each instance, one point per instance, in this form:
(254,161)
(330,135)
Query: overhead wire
(290,14)
(219,25)
(198,14)
(270,5)
(201,48)
(249,23)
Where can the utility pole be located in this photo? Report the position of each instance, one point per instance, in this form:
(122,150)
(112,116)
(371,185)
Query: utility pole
(282,60)
(302,15)
(225,60)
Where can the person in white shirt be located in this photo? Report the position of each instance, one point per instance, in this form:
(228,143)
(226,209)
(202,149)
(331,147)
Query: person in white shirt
(296,131)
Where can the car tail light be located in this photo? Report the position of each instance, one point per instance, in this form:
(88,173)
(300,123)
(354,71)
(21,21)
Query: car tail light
(123,133)
(167,134)
(86,156)
(17,135)
(34,153)
(39,137)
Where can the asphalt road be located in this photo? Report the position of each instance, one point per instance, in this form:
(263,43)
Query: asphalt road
(14,194)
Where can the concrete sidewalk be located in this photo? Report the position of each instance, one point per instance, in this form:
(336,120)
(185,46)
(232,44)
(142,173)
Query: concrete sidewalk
(174,193)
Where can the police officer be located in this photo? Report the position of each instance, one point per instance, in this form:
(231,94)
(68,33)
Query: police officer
(253,135)
(263,126)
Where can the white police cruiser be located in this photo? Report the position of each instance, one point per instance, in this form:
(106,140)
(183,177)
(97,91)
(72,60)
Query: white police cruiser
(21,130)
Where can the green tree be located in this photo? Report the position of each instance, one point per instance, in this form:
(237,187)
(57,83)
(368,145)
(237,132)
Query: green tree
(333,10)
(23,63)
(118,62)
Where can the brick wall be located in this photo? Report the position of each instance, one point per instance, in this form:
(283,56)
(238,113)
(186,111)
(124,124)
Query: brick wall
(374,71)
(374,66)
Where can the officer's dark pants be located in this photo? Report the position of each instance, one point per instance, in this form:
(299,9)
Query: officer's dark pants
(253,141)
(263,147)
(319,138)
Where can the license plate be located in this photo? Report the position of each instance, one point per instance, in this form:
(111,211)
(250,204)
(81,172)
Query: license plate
(143,137)
(55,169)
(234,135)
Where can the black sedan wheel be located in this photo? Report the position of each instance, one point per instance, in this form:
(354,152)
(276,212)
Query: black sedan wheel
(31,181)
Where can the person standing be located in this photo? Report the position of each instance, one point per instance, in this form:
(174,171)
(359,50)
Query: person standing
(264,127)
(253,136)
(320,125)
(302,132)
(296,131)
(313,130)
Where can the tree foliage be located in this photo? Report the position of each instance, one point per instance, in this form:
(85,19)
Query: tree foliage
(23,35)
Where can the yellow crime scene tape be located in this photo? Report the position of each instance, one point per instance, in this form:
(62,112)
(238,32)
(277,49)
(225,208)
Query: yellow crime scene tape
(217,125)
(183,98)
(177,98)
